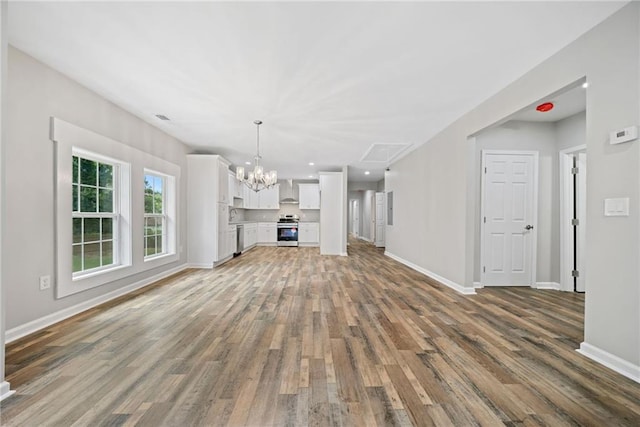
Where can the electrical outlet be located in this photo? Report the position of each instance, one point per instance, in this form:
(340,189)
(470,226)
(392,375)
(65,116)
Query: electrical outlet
(45,282)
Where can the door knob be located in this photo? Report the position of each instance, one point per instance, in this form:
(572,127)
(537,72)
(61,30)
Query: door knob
(528,227)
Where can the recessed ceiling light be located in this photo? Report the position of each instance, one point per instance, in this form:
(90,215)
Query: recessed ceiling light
(585,85)
(367,172)
(162,117)
(311,163)
(310,176)
(247,163)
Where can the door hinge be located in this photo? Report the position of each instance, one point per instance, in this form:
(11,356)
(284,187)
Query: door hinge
(484,269)
(574,171)
(575,273)
(575,221)
(485,219)
(485,170)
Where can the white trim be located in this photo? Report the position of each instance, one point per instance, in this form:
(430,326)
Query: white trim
(566,206)
(611,361)
(48,320)
(366,239)
(455,286)
(200,265)
(534,234)
(477,285)
(548,285)
(5,390)
(344,254)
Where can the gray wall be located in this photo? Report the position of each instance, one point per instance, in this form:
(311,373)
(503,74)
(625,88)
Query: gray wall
(356,191)
(3,143)
(571,132)
(35,93)
(435,221)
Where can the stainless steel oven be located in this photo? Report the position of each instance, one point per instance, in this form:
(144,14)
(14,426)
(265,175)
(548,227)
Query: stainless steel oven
(288,230)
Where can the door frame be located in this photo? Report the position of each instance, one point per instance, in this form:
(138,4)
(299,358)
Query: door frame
(534,234)
(565,163)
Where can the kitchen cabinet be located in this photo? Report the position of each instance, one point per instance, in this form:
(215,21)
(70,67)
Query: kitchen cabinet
(208,210)
(309,233)
(309,196)
(250,235)
(269,198)
(251,198)
(235,191)
(267,232)
(232,241)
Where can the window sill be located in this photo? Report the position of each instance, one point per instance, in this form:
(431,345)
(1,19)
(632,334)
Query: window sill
(158,257)
(97,273)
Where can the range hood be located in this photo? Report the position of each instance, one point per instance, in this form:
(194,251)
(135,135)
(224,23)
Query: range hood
(290,200)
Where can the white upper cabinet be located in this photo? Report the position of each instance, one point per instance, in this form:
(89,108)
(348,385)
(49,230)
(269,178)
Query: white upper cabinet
(309,196)
(250,198)
(270,198)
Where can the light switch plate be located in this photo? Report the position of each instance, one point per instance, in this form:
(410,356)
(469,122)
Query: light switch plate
(616,207)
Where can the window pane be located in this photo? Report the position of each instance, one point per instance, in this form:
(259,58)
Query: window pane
(149,225)
(107,228)
(105,176)
(77,230)
(75,169)
(106,200)
(91,255)
(158,228)
(88,199)
(74,197)
(150,243)
(107,253)
(148,183)
(148,202)
(88,172)
(77,258)
(159,248)
(158,188)
(91,229)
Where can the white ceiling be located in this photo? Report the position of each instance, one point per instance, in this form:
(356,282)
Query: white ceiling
(327,79)
(565,104)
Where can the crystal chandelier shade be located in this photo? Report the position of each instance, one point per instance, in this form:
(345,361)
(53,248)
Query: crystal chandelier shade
(257,179)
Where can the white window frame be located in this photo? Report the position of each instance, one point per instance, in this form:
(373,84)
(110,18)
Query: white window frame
(115,215)
(168,215)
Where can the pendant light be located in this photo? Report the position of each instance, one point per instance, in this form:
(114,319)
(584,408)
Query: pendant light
(257,179)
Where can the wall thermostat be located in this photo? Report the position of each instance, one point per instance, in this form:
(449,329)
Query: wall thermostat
(623,135)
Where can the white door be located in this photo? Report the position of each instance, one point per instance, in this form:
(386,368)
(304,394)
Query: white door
(356,218)
(581,215)
(380,221)
(372,219)
(509,204)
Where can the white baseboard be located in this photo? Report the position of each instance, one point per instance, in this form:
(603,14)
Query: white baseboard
(477,285)
(455,286)
(548,285)
(5,390)
(48,320)
(611,361)
(200,265)
(366,239)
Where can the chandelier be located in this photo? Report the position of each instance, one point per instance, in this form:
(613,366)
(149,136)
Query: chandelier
(257,179)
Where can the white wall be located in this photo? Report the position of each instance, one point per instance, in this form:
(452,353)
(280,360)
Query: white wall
(528,136)
(4,386)
(332,214)
(357,191)
(571,132)
(435,221)
(35,93)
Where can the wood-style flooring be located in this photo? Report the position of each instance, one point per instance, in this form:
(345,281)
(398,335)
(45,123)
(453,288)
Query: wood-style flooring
(283,336)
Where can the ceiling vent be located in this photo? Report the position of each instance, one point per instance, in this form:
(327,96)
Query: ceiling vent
(384,153)
(162,117)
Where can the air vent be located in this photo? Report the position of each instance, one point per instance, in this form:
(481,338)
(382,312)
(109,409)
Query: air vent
(162,117)
(384,153)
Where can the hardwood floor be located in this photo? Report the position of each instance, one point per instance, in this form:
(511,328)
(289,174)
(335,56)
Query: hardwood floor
(282,336)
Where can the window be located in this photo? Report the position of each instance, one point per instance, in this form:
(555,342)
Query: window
(94,214)
(155,218)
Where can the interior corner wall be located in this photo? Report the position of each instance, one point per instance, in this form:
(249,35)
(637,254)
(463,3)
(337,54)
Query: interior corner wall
(434,222)
(3,141)
(36,92)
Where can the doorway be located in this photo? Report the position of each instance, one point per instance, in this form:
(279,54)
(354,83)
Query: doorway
(355,218)
(573,206)
(509,204)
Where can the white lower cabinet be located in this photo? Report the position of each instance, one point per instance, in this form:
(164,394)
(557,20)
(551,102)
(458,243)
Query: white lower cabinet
(309,233)
(232,242)
(250,235)
(267,232)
